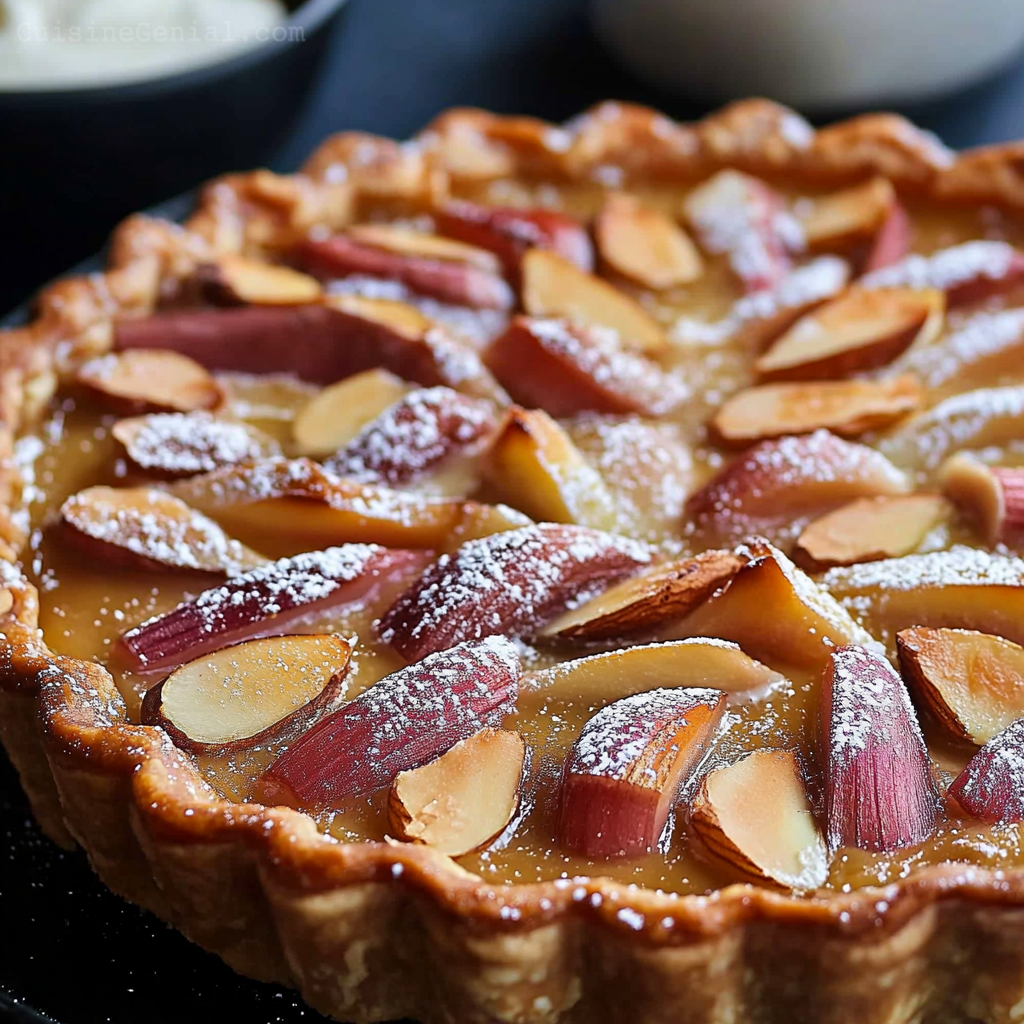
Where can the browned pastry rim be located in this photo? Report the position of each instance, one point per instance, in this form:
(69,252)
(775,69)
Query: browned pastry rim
(377,930)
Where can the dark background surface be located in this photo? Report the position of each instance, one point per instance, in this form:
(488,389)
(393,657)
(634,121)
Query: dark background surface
(70,949)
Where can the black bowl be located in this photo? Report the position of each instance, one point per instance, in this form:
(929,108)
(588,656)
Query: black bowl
(73,161)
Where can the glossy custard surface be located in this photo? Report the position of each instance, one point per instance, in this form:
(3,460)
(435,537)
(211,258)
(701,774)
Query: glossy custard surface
(650,468)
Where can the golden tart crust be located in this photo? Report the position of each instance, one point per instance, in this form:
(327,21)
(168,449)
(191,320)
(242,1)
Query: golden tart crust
(377,931)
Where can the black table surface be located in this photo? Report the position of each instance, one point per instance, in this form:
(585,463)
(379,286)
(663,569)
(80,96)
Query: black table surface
(72,950)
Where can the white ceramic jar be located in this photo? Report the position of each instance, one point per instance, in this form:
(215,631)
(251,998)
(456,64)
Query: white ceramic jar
(813,54)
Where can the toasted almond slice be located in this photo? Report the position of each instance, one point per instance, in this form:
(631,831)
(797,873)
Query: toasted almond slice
(642,603)
(258,692)
(804,624)
(534,466)
(290,505)
(554,287)
(399,316)
(142,528)
(645,245)
(860,330)
(841,218)
(238,279)
(603,678)
(460,801)
(150,380)
(992,496)
(336,415)
(972,683)
(756,817)
(181,444)
(407,242)
(870,529)
(962,587)
(846,407)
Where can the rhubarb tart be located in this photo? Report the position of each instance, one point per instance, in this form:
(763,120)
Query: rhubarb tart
(544,573)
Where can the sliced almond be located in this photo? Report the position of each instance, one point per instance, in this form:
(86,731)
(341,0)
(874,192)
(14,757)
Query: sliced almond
(399,316)
(554,287)
(645,245)
(840,218)
(146,529)
(755,816)
(150,380)
(643,603)
(238,279)
(407,242)
(775,612)
(256,692)
(535,467)
(603,678)
(178,444)
(460,801)
(331,419)
(870,529)
(972,683)
(993,497)
(846,407)
(861,330)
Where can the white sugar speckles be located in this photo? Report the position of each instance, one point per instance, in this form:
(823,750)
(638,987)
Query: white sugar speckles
(413,436)
(180,444)
(614,740)
(775,478)
(947,268)
(959,566)
(985,337)
(157,527)
(598,353)
(866,693)
(506,583)
(973,419)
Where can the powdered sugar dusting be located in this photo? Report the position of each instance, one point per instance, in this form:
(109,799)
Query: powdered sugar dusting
(599,354)
(805,286)
(947,268)
(157,527)
(413,436)
(973,419)
(992,785)
(184,443)
(957,567)
(774,477)
(403,721)
(615,739)
(507,583)
(879,793)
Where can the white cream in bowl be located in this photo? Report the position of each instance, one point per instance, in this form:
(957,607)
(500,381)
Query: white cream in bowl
(61,44)
(812,53)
